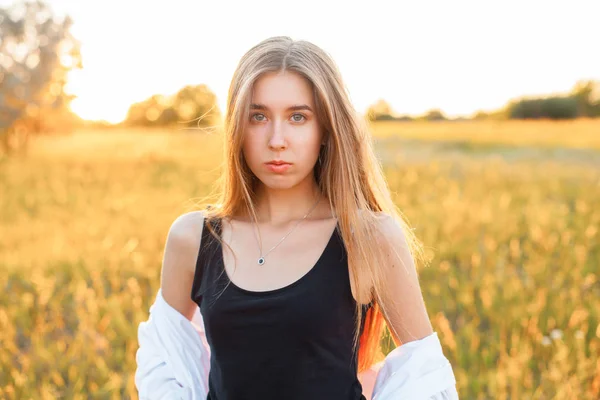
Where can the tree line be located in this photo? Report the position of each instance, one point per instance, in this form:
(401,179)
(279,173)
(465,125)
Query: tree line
(582,101)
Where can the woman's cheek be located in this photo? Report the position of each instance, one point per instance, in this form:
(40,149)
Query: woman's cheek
(250,151)
(310,136)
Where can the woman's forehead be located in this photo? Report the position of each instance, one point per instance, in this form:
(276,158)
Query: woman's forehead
(280,91)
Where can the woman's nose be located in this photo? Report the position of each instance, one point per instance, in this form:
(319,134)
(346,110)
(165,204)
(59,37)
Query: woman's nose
(277,139)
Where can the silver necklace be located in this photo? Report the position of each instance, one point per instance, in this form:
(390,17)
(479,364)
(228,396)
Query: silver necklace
(261,259)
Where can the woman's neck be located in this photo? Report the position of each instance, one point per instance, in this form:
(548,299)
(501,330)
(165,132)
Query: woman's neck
(280,206)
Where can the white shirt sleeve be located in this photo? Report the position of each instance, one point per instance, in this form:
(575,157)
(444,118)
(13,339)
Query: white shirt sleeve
(416,370)
(173,357)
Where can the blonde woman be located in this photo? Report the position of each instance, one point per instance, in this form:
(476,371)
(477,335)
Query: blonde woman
(282,289)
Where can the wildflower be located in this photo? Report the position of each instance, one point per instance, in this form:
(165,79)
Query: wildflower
(556,334)
(546,341)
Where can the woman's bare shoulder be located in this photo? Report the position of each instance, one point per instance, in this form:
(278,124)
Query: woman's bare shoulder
(185,232)
(179,261)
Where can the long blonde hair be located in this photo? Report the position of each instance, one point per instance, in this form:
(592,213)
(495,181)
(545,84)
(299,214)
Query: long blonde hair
(349,174)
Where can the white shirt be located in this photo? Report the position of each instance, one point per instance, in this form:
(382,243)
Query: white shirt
(173,362)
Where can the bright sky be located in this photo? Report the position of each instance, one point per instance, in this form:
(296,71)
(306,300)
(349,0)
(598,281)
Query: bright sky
(460,56)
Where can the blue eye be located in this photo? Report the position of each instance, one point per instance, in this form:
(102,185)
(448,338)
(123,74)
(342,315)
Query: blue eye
(302,117)
(258,114)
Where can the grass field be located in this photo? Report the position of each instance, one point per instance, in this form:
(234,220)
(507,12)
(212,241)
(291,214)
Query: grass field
(509,213)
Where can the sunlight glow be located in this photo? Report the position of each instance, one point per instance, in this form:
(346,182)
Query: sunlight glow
(459,56)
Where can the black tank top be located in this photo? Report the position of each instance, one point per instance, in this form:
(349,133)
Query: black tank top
(293,342)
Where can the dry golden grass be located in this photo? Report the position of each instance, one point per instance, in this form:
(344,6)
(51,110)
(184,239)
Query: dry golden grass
(513,287)
(580,133)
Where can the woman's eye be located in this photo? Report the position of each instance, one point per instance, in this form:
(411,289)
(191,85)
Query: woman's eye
(298,117)
(261,117)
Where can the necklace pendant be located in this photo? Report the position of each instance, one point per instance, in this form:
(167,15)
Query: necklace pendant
(261,261)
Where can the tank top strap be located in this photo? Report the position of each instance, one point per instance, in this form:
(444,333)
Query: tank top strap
(209,247)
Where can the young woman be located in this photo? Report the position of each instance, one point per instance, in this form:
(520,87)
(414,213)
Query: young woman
(291,277)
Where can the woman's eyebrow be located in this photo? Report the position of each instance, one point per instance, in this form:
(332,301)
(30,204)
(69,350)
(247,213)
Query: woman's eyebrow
(298,107)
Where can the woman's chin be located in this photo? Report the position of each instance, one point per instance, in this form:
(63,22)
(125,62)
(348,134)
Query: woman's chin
(279,182)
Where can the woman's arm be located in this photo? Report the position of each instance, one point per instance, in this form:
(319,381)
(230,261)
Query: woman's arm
(173,357)
(417,368)
(406,314)
(179,262)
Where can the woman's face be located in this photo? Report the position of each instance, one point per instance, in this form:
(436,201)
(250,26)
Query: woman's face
(282,128)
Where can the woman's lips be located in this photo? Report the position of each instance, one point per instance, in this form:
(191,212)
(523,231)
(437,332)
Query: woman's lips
(278,167)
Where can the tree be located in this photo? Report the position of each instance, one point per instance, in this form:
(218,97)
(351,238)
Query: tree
(480,115)
(148,112)
(555,107)
(435,115)
(379,111)
(193,105)
(196,106)
(37,51)
(587,96)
